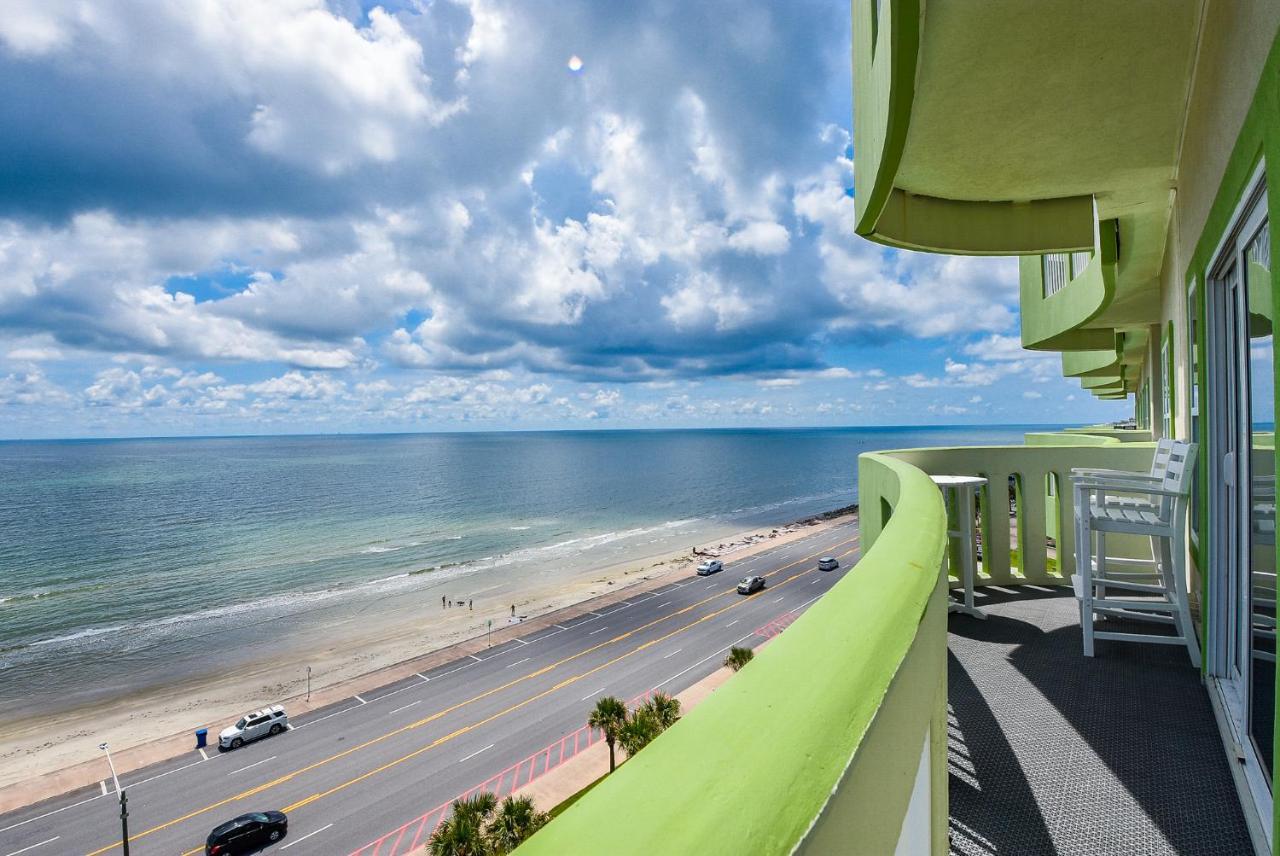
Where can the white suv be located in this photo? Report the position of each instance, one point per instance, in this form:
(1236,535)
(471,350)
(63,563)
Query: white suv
(260,723)
(709,567)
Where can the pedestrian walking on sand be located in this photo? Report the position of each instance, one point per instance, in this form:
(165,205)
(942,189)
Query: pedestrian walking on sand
(450,603)
(442,601)
(471,604)
(513,610)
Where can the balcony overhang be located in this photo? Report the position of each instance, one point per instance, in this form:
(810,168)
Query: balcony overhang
(986,128)
(1091,363)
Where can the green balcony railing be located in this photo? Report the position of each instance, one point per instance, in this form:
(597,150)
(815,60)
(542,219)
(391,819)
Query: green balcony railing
(832,740)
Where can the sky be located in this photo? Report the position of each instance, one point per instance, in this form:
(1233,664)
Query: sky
(230,216)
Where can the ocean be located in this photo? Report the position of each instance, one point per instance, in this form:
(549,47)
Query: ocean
(126,564)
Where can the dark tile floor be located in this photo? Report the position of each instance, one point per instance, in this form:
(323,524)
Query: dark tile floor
(1055,753)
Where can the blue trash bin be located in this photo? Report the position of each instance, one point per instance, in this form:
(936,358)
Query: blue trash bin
(202,736)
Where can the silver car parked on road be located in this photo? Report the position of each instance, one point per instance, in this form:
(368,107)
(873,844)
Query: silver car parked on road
(261,723)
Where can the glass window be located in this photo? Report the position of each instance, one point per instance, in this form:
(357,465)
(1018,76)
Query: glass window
(1262,501)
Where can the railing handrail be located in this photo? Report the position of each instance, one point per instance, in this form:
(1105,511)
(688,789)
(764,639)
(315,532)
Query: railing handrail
(754,767)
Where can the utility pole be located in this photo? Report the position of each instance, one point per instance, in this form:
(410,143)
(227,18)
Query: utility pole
(308,683)
(124,802)
(490,632)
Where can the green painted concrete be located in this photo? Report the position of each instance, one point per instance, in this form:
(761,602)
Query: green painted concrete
(1061,321)
(1259,139)
(1017,122)
(1090,363)
(753,767)
(884,67)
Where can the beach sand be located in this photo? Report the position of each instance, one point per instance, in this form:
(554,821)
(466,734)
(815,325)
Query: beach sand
(47,755)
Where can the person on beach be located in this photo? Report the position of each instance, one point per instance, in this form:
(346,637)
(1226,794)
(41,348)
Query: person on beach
(513,610)
(471,604)
(442,601)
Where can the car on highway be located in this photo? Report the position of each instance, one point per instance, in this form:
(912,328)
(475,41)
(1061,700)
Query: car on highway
(247,833)
(709,567)
(261,723)
(828,563)
(750,585)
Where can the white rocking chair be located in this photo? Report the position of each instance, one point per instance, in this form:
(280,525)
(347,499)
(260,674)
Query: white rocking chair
(1152,504)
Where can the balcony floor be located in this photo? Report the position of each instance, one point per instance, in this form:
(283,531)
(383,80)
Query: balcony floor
(1055,753)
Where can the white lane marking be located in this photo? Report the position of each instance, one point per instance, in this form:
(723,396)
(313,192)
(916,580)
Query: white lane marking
(357,698)
(254,764)
(552,633)
(474,657)
(477,752)
(99,796)
(598,630)
(452,671)
(624,606)
(335,713)
(305,837)
(592,695)
(664,603)
(561,626)
(49,814)
(425,679)
(103,783)
(682,585)
(731,623)
(202,755)
(521,641)
(597,615)
(406,707)
(779,599)
(34,846)
(815,582)
(700,662)
(518,662)
(672,654)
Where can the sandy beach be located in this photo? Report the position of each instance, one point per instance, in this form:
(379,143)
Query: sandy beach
(50,754)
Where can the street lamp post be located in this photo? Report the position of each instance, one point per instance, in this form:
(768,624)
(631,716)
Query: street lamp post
(124,802)
(308,683)
(490,632)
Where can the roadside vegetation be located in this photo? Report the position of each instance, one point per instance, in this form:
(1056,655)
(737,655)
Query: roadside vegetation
(738,657)
(481,826)
(632,730)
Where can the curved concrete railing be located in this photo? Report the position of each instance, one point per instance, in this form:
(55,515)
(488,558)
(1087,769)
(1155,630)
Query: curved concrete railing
(1056,322)
(1039,475)
(832,740)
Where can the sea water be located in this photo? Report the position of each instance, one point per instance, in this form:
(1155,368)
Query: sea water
(125,564)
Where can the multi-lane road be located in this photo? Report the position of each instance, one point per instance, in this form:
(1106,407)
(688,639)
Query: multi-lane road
(349,773)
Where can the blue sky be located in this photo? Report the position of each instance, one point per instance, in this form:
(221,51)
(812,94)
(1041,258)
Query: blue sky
(227,216)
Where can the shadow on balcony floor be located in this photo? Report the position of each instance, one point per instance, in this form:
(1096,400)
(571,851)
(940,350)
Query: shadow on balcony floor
(1055,753)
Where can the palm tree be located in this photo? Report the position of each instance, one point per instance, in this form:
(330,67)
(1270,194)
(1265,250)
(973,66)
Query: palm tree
(664,709)
(738,657)
(463,832)
(609,716)
(515,820)
(639,731)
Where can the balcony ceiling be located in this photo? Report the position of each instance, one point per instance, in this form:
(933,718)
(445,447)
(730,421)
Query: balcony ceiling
(1047,103)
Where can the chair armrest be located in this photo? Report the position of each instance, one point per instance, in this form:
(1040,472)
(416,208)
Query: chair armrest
(1125,474)
(1114,486)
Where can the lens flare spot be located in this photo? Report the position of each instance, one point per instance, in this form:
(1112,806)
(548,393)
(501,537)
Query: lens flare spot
(575,63)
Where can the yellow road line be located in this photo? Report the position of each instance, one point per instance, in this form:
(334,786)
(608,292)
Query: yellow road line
(530,700)
(446,711)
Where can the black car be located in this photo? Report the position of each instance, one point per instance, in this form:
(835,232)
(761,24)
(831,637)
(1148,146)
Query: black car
(248,833)
(750,585)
